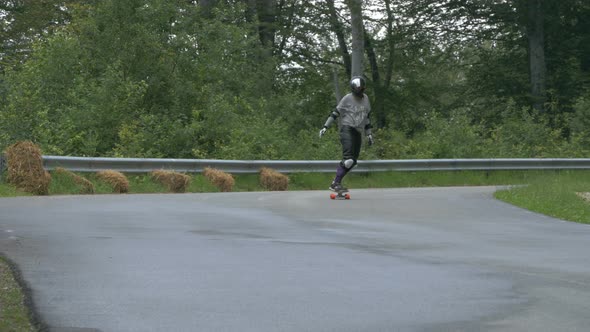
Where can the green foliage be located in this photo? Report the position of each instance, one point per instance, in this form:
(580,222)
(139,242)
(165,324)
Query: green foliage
(156,78)
(307,146)
(523,134)
(579,124)
(453,137)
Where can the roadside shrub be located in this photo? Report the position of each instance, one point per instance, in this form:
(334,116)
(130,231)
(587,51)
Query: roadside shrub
(175,182)
(524,133)
(579,122)
(84,186)
(25,168)
(116,180)
(452,137)
(223,181)
(273,180)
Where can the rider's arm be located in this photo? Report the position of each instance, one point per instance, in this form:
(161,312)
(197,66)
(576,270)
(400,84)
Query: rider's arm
(333,116)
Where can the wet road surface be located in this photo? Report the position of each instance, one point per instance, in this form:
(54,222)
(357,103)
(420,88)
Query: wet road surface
(427,259)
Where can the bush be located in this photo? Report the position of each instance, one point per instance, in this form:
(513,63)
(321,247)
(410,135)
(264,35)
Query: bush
(175,182)
(273,180)
(453,137)
(223,181)
(25,168)
(579,122)
(524,133)
(116,180)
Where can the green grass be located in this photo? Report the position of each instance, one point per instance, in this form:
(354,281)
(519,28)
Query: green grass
(14,314)
(138,184)
(553,195)
(7,190)
(319,181)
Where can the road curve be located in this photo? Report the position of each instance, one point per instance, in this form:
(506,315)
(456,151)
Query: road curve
(427,259)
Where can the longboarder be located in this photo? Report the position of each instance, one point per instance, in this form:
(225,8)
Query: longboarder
(353,110)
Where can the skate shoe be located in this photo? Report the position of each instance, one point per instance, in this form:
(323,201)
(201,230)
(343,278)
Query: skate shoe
(337,187)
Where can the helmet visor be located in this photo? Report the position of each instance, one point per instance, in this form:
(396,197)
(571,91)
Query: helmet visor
(357,85)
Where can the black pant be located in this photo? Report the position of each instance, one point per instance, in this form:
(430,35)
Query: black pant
(351,141)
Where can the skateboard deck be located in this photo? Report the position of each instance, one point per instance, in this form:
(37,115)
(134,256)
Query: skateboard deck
(344,194)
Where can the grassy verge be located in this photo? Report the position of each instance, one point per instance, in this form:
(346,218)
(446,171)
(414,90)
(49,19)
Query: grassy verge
(14,314)
(553,195)
(7,190)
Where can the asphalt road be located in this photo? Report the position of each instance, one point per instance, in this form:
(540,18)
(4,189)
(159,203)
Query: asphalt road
(431,259)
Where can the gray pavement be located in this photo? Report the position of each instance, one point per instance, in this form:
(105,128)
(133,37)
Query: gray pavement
(429,259)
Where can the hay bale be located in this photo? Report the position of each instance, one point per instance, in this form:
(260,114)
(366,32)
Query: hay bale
(86,187)
(584,195)
(115,179)
(25,168)
(175,182)
(223,181)
(273,180)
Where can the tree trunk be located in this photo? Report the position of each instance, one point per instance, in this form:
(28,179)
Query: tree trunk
(264,13)
(390,44)
(266,10)
(339,31)
(537,65)
(358,43)
(378,105)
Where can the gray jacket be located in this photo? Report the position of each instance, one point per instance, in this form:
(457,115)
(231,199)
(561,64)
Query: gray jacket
(353,112)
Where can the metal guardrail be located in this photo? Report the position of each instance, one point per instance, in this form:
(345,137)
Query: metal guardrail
(140,165)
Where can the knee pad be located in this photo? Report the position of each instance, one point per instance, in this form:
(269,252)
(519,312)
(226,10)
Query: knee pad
(349,163)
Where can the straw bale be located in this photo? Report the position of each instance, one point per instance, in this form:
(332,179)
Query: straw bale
(175,182)
(25,168)
(86,187)
(273,180)
(223,181)
(584,195)
(116,180)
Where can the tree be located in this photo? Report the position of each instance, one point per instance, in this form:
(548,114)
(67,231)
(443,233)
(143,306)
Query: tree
(209,78)
(358,33)
(24,21)
(535,34)
(336,26)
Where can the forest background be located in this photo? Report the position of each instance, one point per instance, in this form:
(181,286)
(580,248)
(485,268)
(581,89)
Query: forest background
(256,79)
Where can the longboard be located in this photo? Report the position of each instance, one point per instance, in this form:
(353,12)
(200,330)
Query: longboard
(340,195)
